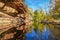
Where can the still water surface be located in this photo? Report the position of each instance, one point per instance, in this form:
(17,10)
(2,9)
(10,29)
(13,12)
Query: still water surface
(37,35)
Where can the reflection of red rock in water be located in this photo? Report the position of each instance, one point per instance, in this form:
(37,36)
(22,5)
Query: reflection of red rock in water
(13,31)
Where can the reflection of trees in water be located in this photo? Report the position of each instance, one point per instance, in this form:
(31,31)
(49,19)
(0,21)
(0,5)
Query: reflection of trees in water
(55,30)
(46,34)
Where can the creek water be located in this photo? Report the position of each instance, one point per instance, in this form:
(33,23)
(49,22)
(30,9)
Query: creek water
(37,35)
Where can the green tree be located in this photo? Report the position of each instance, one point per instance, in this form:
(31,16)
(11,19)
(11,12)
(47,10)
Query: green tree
(37,16)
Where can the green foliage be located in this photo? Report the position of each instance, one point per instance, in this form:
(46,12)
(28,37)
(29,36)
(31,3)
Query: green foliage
(37,16)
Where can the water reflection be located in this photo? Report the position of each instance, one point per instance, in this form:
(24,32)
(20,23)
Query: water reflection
(32,36)
(37,35)
(47,35)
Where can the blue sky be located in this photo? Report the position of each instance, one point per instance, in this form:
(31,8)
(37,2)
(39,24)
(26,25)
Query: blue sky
(36,4)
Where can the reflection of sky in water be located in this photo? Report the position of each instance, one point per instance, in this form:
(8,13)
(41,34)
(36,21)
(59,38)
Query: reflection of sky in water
(35,4)
(46,35)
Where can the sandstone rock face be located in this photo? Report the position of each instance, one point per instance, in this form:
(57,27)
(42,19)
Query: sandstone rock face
(11,19)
